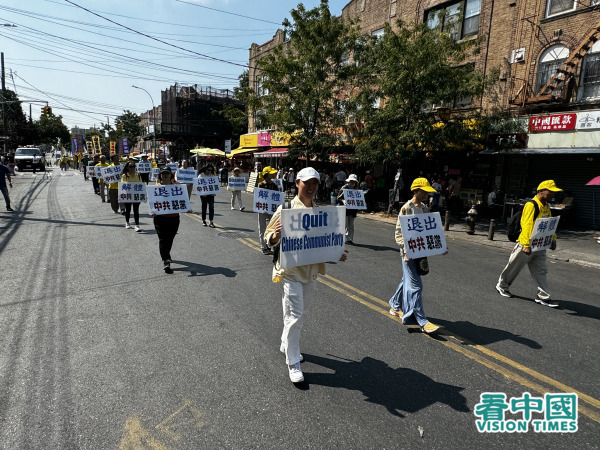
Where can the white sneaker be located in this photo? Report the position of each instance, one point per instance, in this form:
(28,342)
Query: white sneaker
(296,373)
(137,229)
(232,208)
(127,226)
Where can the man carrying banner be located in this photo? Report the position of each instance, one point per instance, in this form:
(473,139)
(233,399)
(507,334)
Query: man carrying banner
(407,301)
(113,189)
(522,252)
(300,282)
(102,186)
(268,174)
(95,184)
(351,183)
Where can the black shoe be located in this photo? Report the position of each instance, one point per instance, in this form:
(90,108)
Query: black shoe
(349,243)
(204,223)
(168,270)
(9,209)
(167,267)
(266,251)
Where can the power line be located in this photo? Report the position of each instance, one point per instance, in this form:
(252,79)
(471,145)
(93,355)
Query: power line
(226,12)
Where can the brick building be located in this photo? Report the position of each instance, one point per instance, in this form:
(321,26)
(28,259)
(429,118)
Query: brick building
(548,56)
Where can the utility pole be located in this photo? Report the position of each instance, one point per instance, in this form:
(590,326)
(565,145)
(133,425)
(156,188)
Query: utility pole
(4,118)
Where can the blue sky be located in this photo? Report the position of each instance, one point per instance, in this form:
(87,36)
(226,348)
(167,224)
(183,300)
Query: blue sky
(84,65)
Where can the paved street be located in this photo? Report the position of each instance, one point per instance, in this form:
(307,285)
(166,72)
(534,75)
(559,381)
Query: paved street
(103,350)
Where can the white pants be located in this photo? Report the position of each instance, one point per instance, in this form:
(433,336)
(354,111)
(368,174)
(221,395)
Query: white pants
(237,194)
(349,228)
(537,267)
(296,300)
(263,221)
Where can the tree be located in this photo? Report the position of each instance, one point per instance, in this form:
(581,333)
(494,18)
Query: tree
(304,81)
(52,131)
(19,130)
(419,74)
(131,128)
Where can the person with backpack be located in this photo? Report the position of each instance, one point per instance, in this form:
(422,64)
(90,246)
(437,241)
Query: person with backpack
(536,208)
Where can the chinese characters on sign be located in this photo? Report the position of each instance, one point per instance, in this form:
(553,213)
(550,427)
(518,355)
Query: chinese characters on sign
(111,174)
(588,120)
(207,186)
(91,170)
(236,183)
(278,182)
(354,199)
(559,412)
(143,167)
(543,231)
(132,192)
(423,235)
(311,235)
(168,199)
(556,122)
(186,176)
(267,201)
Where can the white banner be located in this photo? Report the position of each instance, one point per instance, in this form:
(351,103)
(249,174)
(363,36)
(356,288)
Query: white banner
(91,171)
(278,182)
(132,192)
(423,235)
(168,199)
(588,120)
(207,186)
(354,199)
(187,176)
(543,231)
(312,235)
(98,170)
(143,167)
(267,201)
(154,173)
(236,183)
(112,174)
(173,166)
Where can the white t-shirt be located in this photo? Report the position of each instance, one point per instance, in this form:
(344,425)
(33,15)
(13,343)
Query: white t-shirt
(492,198)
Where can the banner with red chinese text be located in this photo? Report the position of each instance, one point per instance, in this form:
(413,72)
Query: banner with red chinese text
(423,235)
(555,122)
(168,199)
(543,232)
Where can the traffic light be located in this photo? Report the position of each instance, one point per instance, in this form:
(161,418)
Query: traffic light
(49,111)
(120,127)
(45,111)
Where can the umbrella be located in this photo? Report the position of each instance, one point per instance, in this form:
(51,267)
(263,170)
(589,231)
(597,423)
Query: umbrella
(594,182)
(205,151)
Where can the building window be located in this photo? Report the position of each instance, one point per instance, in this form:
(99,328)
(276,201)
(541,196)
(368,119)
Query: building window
(590,74)
(393,8)
(459,20)
(378,33)
(549,62)
(554,7)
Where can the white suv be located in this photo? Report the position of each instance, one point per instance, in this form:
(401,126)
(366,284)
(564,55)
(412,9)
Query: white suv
(30,158)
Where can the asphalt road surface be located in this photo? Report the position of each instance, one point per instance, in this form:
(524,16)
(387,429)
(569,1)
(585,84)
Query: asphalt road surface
(100,349)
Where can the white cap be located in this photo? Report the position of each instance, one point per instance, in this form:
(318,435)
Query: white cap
(352,177)
(307,173)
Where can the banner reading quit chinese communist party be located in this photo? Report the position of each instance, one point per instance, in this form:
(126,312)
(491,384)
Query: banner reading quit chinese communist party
(312,235)
(354,199)
(132,192)
(207,186)
(423,235)
(186,176)
(236,183)
(267,201)
(544,230)
(168,199)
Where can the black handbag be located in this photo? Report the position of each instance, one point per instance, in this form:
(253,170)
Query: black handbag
(422,266)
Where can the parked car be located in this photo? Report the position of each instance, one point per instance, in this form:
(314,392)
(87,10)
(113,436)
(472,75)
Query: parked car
(30,158)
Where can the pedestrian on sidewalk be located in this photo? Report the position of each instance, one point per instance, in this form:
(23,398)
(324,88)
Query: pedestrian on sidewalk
(131,176)
(351,183)
(299,283)
(268,174)
(208,201)
(522,253)
(4,174)
(407,301)
(237,172)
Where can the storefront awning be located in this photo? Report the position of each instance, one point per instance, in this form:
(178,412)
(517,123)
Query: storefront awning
(272,153)
(241,150)
(542,151)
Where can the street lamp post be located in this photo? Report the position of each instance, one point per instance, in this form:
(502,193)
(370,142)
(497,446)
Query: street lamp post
(153,119)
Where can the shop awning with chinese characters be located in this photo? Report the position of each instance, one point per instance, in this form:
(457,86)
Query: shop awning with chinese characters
(272,153)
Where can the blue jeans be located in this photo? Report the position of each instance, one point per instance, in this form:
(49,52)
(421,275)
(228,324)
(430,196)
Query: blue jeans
(408,298)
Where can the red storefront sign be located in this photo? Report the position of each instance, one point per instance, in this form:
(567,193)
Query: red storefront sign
(555,122)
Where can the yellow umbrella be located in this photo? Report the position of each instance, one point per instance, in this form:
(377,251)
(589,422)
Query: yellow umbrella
(205,151)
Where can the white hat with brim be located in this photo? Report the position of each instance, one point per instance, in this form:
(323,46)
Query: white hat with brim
(352,177)
(307,173)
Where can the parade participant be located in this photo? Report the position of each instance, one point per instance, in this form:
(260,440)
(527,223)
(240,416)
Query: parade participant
(64,162)
(101,184)
(522,253)
(299,283)
(4,174)
(207,200)
(407,301)
(145,176)
(351,183)
(85,159)
(190,187)
(290,178)
(166,225)
(237,172)
(113,188)
(130,176)
(95,183)
(268,174)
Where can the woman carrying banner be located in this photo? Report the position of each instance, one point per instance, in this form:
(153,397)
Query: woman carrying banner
(189,186)
(131,176)
(208,200)
(407,302)
(351,183)
(268,174)
(166,225)
(237,172)
(300,282)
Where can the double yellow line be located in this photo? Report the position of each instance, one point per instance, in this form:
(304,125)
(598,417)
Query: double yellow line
(531,379)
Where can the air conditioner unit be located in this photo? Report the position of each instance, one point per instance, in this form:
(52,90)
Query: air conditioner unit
(517,55)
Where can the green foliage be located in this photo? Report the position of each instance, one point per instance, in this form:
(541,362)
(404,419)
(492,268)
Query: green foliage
(19,130)
(131,128)
(303,80)
(52,131)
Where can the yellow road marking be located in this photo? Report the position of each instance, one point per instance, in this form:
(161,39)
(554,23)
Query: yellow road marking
(137,437)
(191,417)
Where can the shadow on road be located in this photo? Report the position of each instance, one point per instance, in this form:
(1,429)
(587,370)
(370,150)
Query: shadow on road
(400,390)
(200,270)
(375,248)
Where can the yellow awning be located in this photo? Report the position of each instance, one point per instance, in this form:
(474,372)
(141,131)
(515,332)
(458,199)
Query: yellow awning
(241,150)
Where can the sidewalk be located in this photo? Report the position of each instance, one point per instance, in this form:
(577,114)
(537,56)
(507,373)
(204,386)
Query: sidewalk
(574,245)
